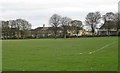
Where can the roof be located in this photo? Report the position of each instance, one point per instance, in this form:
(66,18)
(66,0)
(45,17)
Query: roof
(45,28)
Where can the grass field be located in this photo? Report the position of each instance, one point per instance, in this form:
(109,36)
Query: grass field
(0,56)
(74,54)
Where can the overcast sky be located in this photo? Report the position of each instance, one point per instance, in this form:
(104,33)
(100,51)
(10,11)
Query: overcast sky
(38,12)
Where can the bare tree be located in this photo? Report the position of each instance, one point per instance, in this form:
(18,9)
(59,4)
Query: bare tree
(117,22)
(23,27)
(12,25)
(76,25)
(55,22)
(5,29)
(65,21)
(18,27)
(15,28)
(92,20)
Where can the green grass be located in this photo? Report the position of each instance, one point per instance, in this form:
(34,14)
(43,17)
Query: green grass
(0,56)
(60,54)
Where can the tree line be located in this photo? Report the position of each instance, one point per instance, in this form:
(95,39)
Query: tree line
(18,28)
(21,28)
(65,23)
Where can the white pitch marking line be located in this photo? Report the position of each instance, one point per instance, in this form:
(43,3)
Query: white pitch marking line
(101,48)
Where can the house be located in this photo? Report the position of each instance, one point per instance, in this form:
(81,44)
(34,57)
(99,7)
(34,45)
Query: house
(44,32)
(81,32)
(108,28)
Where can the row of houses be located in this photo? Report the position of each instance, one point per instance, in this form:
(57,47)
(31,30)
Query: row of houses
(48,32)
(41,32)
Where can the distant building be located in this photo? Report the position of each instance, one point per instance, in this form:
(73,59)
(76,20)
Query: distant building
(44,32)
(108,28)
(41,32)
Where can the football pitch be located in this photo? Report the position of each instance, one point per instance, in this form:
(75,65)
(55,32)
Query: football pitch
(72,54)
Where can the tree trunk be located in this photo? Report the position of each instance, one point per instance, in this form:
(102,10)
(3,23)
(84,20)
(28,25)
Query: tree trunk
(108,32)
(55,36)
(77,35)
(92,30)
(65,36)
(55,32)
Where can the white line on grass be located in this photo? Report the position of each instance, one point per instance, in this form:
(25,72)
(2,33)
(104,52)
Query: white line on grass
(101,48)
(91,52)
